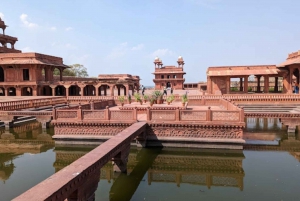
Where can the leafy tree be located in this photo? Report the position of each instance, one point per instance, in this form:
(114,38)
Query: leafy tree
(77,70)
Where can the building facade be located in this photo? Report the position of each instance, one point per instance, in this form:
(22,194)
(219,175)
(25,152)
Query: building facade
(168,76)
(32,74)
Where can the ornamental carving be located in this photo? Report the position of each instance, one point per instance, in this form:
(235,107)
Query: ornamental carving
(193,115)
(163,115)
(89,130)
(225,116)
(121,115)
(66,114)
(216,133)
(93,114)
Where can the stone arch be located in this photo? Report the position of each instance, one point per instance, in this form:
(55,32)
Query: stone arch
(11,91)
(102,90)
(60,90)
(9,45)
(89,90)
(46,90)
(57,74)
(1,74)
(2,91)
(26,91)
(121,89)
(74,90)
(168,85)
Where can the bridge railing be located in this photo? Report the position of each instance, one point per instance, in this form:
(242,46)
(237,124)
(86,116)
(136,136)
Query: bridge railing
(74,181)
(158,115)
(37,102)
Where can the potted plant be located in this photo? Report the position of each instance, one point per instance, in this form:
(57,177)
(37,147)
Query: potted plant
(129,98)
(172,98)
(138,98)
(169,100)
(145,98)
(152,101)
(158,96)
(184,99)
(122,100)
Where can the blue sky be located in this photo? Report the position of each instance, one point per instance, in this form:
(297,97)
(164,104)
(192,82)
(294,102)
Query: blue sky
(125,36)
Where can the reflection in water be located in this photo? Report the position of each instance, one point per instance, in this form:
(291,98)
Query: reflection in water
(24,138)
(178,166)
(151,170)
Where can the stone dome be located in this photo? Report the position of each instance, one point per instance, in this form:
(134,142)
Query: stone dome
(180,58)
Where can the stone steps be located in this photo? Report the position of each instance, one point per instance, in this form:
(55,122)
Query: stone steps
(269,108)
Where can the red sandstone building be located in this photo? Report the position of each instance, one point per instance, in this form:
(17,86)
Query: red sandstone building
(32,74)
(168,76)
(219,79)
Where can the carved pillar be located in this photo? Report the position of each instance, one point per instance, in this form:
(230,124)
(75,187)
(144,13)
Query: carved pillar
(67,89)
(266,84)
(246,84)
(18,91)
(126,90)
(53,89)
(60,75)
(112,90)
(258,83)
(6,91)
(276,84)
(291,81)
(96,90)
(227,85)
(241,84)
(82,90)
(34,90)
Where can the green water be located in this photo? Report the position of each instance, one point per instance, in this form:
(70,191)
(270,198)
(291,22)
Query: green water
(259,172)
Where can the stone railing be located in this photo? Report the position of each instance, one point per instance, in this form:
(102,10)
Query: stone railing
(26,113)
(79,180)
(38,102)
(158,115)
(95,115)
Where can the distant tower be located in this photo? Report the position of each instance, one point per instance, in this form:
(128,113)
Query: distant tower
(5,39)
(168,76)
(180,62)
(158,62)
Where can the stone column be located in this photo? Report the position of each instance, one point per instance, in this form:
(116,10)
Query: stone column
(34,91)
(276,84)
(126,90)
(246,84)
(60,75)
(18,91)
(82,90)
(266,84)
(241,84)
(258,83)
(53,89)
(67,89)
(227,85)
(96,90)
(112,90)
(121,159)
(6,90)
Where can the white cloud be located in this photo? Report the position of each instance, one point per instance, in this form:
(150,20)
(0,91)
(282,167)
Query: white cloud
(53,28)
(27,49)
(68,28)
(138,47)
(25,22)
(2,16)
(119,51)
(162,52)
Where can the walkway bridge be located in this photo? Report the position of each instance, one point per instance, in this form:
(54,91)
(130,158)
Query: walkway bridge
(68,183)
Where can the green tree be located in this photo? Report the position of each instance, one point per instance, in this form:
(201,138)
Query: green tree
(79,70)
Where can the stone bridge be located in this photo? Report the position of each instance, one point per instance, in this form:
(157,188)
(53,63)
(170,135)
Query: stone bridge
(79,180)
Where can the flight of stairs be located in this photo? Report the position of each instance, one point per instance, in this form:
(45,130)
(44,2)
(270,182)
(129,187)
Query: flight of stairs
(271,108)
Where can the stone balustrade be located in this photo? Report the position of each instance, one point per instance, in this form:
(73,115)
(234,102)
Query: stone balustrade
(80,114)
(31,103)
(195,115)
